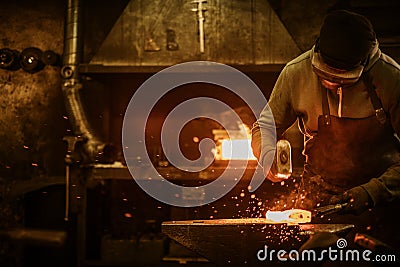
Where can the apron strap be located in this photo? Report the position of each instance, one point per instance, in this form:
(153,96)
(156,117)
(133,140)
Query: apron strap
(325,106)
(376,102)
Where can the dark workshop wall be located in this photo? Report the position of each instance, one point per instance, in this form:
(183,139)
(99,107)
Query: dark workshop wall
(31,105)
(32,123)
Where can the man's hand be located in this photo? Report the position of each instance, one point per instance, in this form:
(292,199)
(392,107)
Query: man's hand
(274,177)
(272,172)
(358,200)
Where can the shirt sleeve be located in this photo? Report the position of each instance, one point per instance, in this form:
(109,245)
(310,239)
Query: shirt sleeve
(386,187)
(275,118)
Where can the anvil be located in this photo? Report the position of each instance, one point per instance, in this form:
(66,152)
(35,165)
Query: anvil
(240,242)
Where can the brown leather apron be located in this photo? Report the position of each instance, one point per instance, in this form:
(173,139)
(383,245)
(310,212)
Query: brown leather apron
(348,152)
(345,153)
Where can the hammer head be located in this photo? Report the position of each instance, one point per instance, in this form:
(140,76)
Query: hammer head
(283,159)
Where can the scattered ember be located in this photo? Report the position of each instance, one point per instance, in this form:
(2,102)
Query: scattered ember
(127,215)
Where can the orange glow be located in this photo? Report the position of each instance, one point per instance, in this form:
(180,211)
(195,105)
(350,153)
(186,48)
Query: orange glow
(233,146)
(237,149)
(330,85)
(128,215)
(283,176)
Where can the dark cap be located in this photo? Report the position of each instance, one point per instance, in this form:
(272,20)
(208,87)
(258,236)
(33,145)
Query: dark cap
(346,39)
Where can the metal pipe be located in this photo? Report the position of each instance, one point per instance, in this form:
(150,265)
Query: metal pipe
(71,85)
(72,55)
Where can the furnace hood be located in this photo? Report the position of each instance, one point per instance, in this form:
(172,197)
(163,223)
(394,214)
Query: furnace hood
(167,32)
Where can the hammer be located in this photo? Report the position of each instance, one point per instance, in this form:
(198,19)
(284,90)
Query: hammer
(283,159)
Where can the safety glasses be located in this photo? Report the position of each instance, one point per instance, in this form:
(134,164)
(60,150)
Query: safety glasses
(333,75)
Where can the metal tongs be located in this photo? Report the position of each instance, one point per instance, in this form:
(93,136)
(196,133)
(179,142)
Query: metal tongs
(329,209)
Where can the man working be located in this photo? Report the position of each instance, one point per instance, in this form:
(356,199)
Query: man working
(345,94)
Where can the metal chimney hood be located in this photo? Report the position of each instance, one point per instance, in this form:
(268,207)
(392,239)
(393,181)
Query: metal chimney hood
(159,33)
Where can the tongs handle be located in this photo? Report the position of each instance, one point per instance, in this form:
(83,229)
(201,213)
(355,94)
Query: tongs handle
(329,209)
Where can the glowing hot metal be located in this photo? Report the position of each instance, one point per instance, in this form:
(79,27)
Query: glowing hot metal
(289,216)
